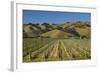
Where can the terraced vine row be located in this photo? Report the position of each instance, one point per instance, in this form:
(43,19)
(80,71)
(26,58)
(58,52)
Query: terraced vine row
(59,50)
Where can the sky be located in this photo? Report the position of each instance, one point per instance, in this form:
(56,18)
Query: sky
(34,16)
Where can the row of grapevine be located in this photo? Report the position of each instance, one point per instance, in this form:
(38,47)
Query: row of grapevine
(60,49)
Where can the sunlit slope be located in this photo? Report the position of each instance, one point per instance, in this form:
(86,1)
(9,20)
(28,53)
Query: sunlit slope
(29,31)
(64,30)
(56,34)
(84,32)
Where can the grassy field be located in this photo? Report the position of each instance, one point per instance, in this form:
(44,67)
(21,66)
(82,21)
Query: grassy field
(49,49)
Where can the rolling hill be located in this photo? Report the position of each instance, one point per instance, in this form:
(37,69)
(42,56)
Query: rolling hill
(65,30)
(30,31)
(84,32)
(56,34)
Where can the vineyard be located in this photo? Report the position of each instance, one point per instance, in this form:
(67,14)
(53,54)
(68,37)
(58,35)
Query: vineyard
(49,49)
(56,36)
